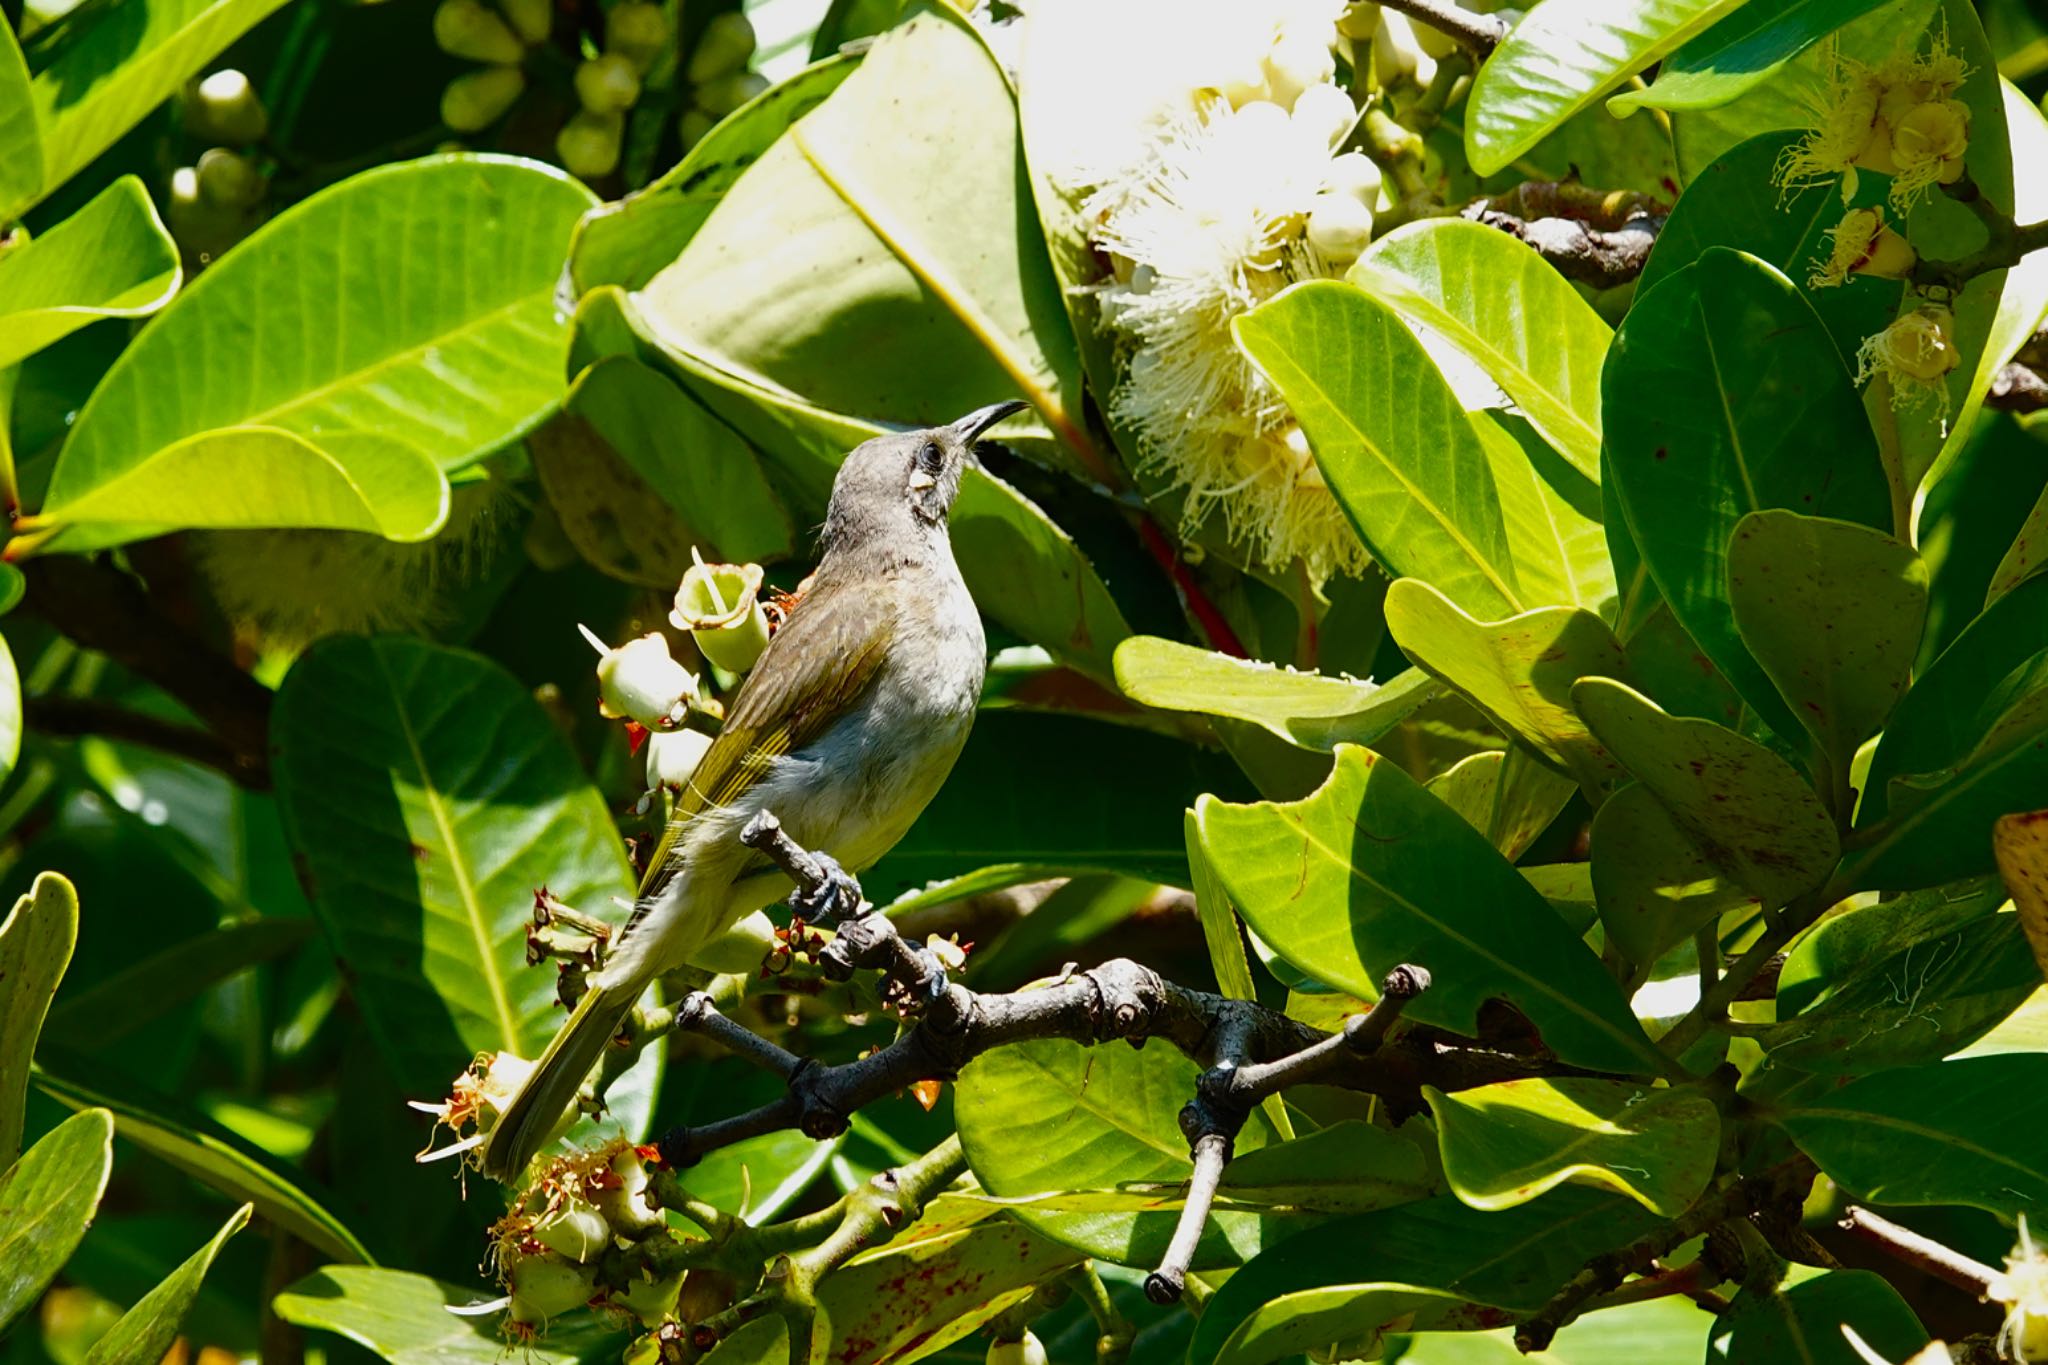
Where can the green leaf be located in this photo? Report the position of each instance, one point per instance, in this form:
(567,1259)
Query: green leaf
(1309,710)
(111,259)
(882,300)
(433,340)
(695,465)
(1503,305)
(47,1199)
(1352,1275)
(35,947)
(1564,56)
(112,66)
(1507,1143)
(146,1331)
(1391,438)
(1051,1116)
(1371,871)
(1739,54)
(1803,1319)
(1959,1132)
(1508,795)
(1832,613)
(629,242)
(1518,672)
(427,794)
(2025,556)
(1723,396)
(122,1002)
(1842,947)
(1745,808)
(21,148)
(1652,883)
(202,1149)
(1552,514)
(404,1319)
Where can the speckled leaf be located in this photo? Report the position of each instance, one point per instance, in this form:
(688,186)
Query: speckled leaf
(1371,871)
(1651,882)
(404,1319)
(1310,710)
(111,259)
(427,794)
(35,947)
(1745,808)
(2025,556)
(47,1199)
(1518,672)
(1803,1318)
(1507,1143)
(1509,795)
(2020,843)
(146,1331)
(1832,612)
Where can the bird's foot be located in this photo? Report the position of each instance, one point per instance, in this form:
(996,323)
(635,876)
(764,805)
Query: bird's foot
(835,896)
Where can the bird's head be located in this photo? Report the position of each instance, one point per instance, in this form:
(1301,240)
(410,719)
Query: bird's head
(905,481)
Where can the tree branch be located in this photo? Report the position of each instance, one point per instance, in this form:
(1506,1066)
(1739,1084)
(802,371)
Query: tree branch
(73,717)
(1479,34)
(1599,257)
(1922,1253)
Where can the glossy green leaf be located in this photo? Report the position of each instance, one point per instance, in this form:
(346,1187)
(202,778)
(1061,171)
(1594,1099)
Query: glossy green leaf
(1310,710)
(1842,947)
(1508,795)
(628,243)
(2025,556)
(146,1331)
(692,464)
(21,146)
(883,301)
(113,66)
(203,1150)
(1051,1116)
(1652,883)
(1518,672)
(111,259)
(1957,1132)
(1507,1143)
(1723,396)
(1552,513)
(404,1319)
(1803,1319)
(433,342)
(1832,612)
(36,940)
(1428,1256)
(1511,312)
(1564,56)
(1391,438)
(1752,817)
(124,1001)
(1371,871)
(426,795)
(1740,53)
(47,1199)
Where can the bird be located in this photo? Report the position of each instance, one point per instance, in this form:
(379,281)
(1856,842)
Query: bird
(845,728)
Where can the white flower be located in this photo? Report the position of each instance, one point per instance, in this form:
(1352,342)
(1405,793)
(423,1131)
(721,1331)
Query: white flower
(2023,1288)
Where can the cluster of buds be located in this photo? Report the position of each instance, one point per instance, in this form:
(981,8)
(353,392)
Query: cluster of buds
(545,1250)
(608,85)
(1915,353)
(1863,244)
(217,201)
(1899,118)
(499,38)
(717,74)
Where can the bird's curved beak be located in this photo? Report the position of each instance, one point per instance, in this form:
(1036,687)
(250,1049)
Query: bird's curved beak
(969,428)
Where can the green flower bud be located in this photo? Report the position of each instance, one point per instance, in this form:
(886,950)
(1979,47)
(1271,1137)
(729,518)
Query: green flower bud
(466,28)
(1339,227)
(728,93)
(532,20)
(1026,1350)
(230,179)
(719,604)
(224,108)
(672,757)
(637,30)
(475,101)
(725,46)
(640,681)
(589,144)
(607,84)
(1357,175)
(1295,62)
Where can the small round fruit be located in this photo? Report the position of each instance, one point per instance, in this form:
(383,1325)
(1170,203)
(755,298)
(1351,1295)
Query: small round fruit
(1026,1350)
(469,29)
(544,1286)
(475,101)
(589,144)
(608,84)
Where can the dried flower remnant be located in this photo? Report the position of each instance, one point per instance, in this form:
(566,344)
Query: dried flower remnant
(1863,244)
(1899,118)
(2023,1289)
(479,1096)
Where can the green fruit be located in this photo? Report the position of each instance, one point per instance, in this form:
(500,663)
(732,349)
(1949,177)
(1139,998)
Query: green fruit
(636,30)
(532,20)
(589,144)
(466,28)
(230,179)
(728,93)
(607,84)
(575,1230)
(544,1286)
(651,1301)
(224,108)
(725,45)
(475,101)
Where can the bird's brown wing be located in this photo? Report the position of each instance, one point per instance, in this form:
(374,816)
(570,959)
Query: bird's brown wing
(821,660)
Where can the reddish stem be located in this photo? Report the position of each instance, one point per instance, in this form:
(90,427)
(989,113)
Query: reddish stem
(1220,636)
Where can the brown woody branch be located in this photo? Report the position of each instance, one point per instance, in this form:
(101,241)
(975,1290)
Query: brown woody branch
(1479,34)
(1600,257)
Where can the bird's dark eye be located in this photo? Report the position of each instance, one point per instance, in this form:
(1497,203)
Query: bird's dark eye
(930,459)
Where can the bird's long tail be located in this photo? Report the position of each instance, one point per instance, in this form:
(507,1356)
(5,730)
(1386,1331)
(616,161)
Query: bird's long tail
(538,1110)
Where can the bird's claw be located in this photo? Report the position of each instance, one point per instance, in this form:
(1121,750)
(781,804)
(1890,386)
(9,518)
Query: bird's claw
(836,896)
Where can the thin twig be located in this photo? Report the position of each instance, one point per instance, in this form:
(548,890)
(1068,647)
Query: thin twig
(1922,1253)
(1480,34)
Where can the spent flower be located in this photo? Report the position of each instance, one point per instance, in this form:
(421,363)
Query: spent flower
(1915,353)
(1898,117)
(2023,1289)
(1863,244)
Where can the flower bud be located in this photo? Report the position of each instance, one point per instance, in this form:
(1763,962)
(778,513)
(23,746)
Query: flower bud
(1296,61)
(1307,473)
(725,46)
(607,84)
(1339,227)
(1325,111)
(547,1286)
(532,20)
(1396,56)
(1026,1350)
(641,681)
(224,108)
(1361,19)
(1863,244)
(720,97)
(466,28)
(474,101)
(637,30)
(719,604)
(1354,174)
(589,144)
(672,758)
(231,179)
